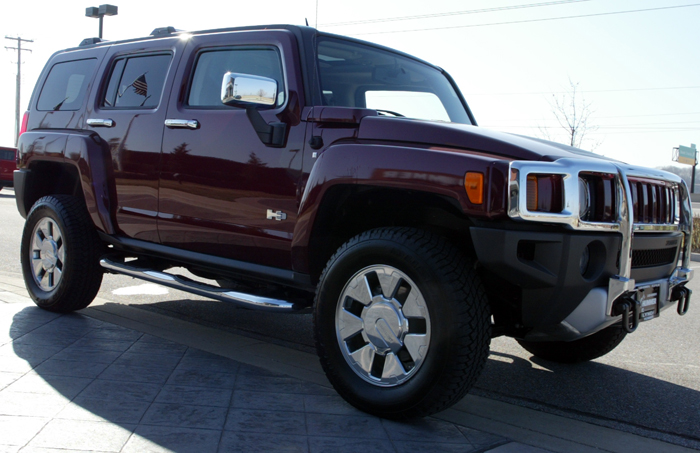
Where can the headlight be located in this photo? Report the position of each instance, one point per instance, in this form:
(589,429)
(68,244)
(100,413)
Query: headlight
(544,193)
(584,198)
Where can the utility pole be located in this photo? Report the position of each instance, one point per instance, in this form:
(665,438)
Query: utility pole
(19,79)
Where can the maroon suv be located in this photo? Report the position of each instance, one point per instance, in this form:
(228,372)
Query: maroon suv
(304,171)
(8,164)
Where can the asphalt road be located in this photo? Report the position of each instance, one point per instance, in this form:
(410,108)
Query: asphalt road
(648,385)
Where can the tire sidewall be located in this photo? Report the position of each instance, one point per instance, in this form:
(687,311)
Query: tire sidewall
(402,397)
(45,208)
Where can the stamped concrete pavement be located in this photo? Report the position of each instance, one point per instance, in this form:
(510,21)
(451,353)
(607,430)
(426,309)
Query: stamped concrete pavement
(118,379)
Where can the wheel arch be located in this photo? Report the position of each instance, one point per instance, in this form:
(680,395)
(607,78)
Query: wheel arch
(81,168)
(348,210)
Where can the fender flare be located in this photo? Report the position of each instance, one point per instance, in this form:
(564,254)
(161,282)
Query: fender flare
(388,166)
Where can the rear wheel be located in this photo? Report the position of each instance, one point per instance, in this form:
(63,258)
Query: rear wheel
(583,350)
(401,322)
(60,254)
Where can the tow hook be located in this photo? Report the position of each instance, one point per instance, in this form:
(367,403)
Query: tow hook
(629,308)
(682,294)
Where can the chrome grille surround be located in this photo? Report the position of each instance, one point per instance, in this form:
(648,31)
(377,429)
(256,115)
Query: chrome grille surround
(676,216)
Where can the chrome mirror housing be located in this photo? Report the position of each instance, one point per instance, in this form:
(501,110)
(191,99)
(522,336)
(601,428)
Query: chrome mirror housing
(245,90)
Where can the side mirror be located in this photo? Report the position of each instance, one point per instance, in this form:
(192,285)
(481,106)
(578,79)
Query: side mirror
(245,90)
(251,93)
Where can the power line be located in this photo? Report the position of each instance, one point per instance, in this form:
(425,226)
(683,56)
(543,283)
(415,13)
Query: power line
(610,126)
(651,114)
(452,13)
(608,117)
(19,78)
(531,20)
(693,87)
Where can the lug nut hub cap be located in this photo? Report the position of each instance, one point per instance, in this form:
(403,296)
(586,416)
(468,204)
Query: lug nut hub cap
(383,325)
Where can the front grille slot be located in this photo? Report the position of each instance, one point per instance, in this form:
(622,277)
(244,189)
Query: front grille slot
(653,257)
(654,202)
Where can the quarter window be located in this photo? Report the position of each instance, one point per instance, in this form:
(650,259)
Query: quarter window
(212,65)
(66,85)
(137,82)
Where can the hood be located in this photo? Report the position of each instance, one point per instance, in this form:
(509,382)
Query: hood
(453,135)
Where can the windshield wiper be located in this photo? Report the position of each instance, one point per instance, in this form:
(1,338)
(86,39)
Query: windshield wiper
(383,112)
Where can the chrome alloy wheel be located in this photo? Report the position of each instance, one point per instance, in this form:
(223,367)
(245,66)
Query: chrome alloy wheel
(382,325)
(47,254)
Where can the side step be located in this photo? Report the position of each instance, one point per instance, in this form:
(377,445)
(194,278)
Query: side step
(202,289)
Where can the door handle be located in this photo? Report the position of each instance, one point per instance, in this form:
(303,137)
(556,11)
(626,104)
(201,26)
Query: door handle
(96,122)
(186,124)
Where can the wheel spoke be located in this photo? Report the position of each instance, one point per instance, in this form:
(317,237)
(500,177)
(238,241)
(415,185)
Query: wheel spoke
(37,241)
(359,290)
(61,253)
(417,346)
(37,266)
(41,276)
(56,234)
(348,324)
(389,282)
(392,367)
(363,358)
(45,229)
(57,274)
(413,307)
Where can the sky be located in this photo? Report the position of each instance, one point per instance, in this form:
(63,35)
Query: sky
(636,63)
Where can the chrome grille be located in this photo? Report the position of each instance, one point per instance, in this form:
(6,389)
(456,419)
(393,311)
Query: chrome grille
(655,202)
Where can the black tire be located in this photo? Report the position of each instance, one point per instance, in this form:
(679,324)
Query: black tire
(583,350)
(456,323)
(60,262)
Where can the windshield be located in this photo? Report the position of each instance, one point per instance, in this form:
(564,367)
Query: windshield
(355,75)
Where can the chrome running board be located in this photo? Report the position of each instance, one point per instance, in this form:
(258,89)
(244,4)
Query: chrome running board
(202,289)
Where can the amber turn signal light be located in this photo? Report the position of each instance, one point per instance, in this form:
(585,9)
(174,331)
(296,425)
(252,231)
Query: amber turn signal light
(474,183)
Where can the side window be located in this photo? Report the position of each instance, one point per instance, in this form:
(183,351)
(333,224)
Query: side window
(66,85)
(136,82)
(211,66)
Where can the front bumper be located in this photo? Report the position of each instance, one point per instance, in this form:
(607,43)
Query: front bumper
(560,300)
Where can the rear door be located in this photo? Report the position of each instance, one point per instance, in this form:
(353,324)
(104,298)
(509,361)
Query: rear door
(222,191)
(127,111)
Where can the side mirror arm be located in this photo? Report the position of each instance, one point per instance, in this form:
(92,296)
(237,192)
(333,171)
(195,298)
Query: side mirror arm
(272,134)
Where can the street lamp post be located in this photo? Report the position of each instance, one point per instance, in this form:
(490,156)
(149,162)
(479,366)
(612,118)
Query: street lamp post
(100,12)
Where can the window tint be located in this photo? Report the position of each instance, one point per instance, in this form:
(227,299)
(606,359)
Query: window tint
(137,82)
(66,85)
(212,65)
(6,154)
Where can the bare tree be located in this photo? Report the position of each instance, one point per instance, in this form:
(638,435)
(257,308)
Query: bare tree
(573,113)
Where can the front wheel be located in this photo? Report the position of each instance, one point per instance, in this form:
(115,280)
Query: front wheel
(401,323)
(583,350)
(60,254)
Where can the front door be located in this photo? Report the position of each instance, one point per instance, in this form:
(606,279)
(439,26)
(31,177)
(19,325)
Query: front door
(222,191)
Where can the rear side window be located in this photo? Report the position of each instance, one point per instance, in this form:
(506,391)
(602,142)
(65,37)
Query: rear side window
(137,82)
(7,154)
(66,85)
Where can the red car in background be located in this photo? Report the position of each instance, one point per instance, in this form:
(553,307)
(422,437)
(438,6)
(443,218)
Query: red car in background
(8,164)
